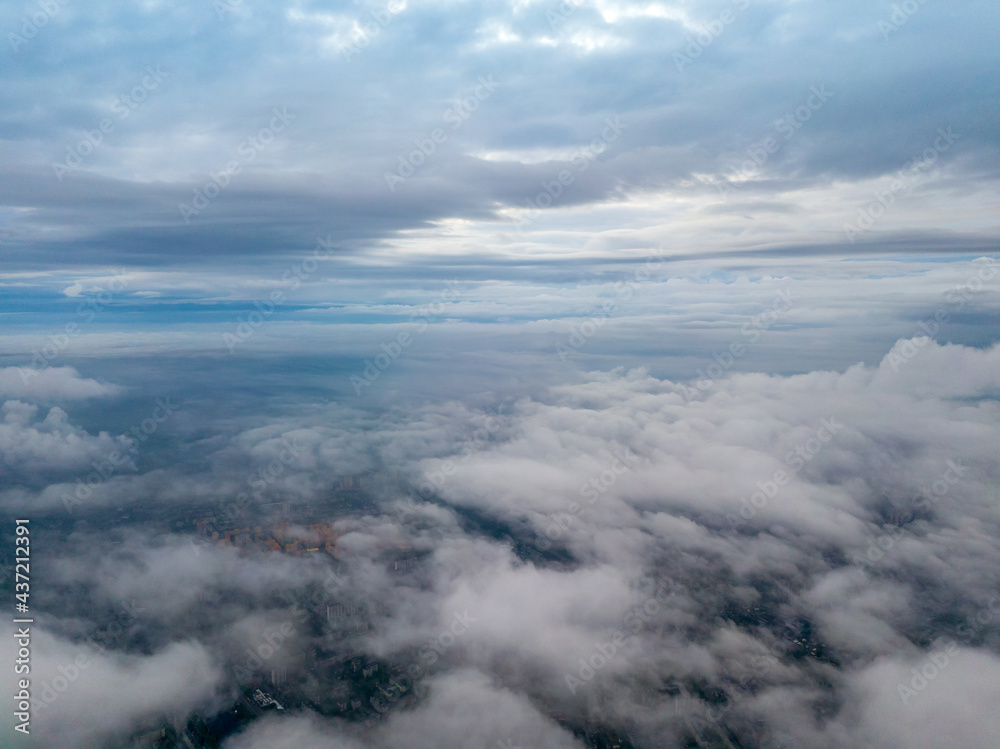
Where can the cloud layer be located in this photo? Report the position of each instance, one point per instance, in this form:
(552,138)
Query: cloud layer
(807,559)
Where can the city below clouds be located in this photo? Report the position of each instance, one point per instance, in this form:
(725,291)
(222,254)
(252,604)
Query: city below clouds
(512,374)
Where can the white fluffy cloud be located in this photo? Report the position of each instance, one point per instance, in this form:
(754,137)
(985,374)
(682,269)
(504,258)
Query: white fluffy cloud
(51,384)
(465,709)
(31,446)
(299,731)
(626,556)
(959,705)
(83,697)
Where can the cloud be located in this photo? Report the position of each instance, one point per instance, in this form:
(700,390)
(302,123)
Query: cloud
(305,731)
(957,706)
(326,170)
(584,506)
(51,384)
(50,447)
(757,556)
(465,709)
(137,690)
(951,371)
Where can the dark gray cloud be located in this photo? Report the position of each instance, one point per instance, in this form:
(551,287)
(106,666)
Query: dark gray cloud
(216,83)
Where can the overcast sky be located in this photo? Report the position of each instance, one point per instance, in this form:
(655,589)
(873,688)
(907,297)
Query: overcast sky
(696,88)
(709,241)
